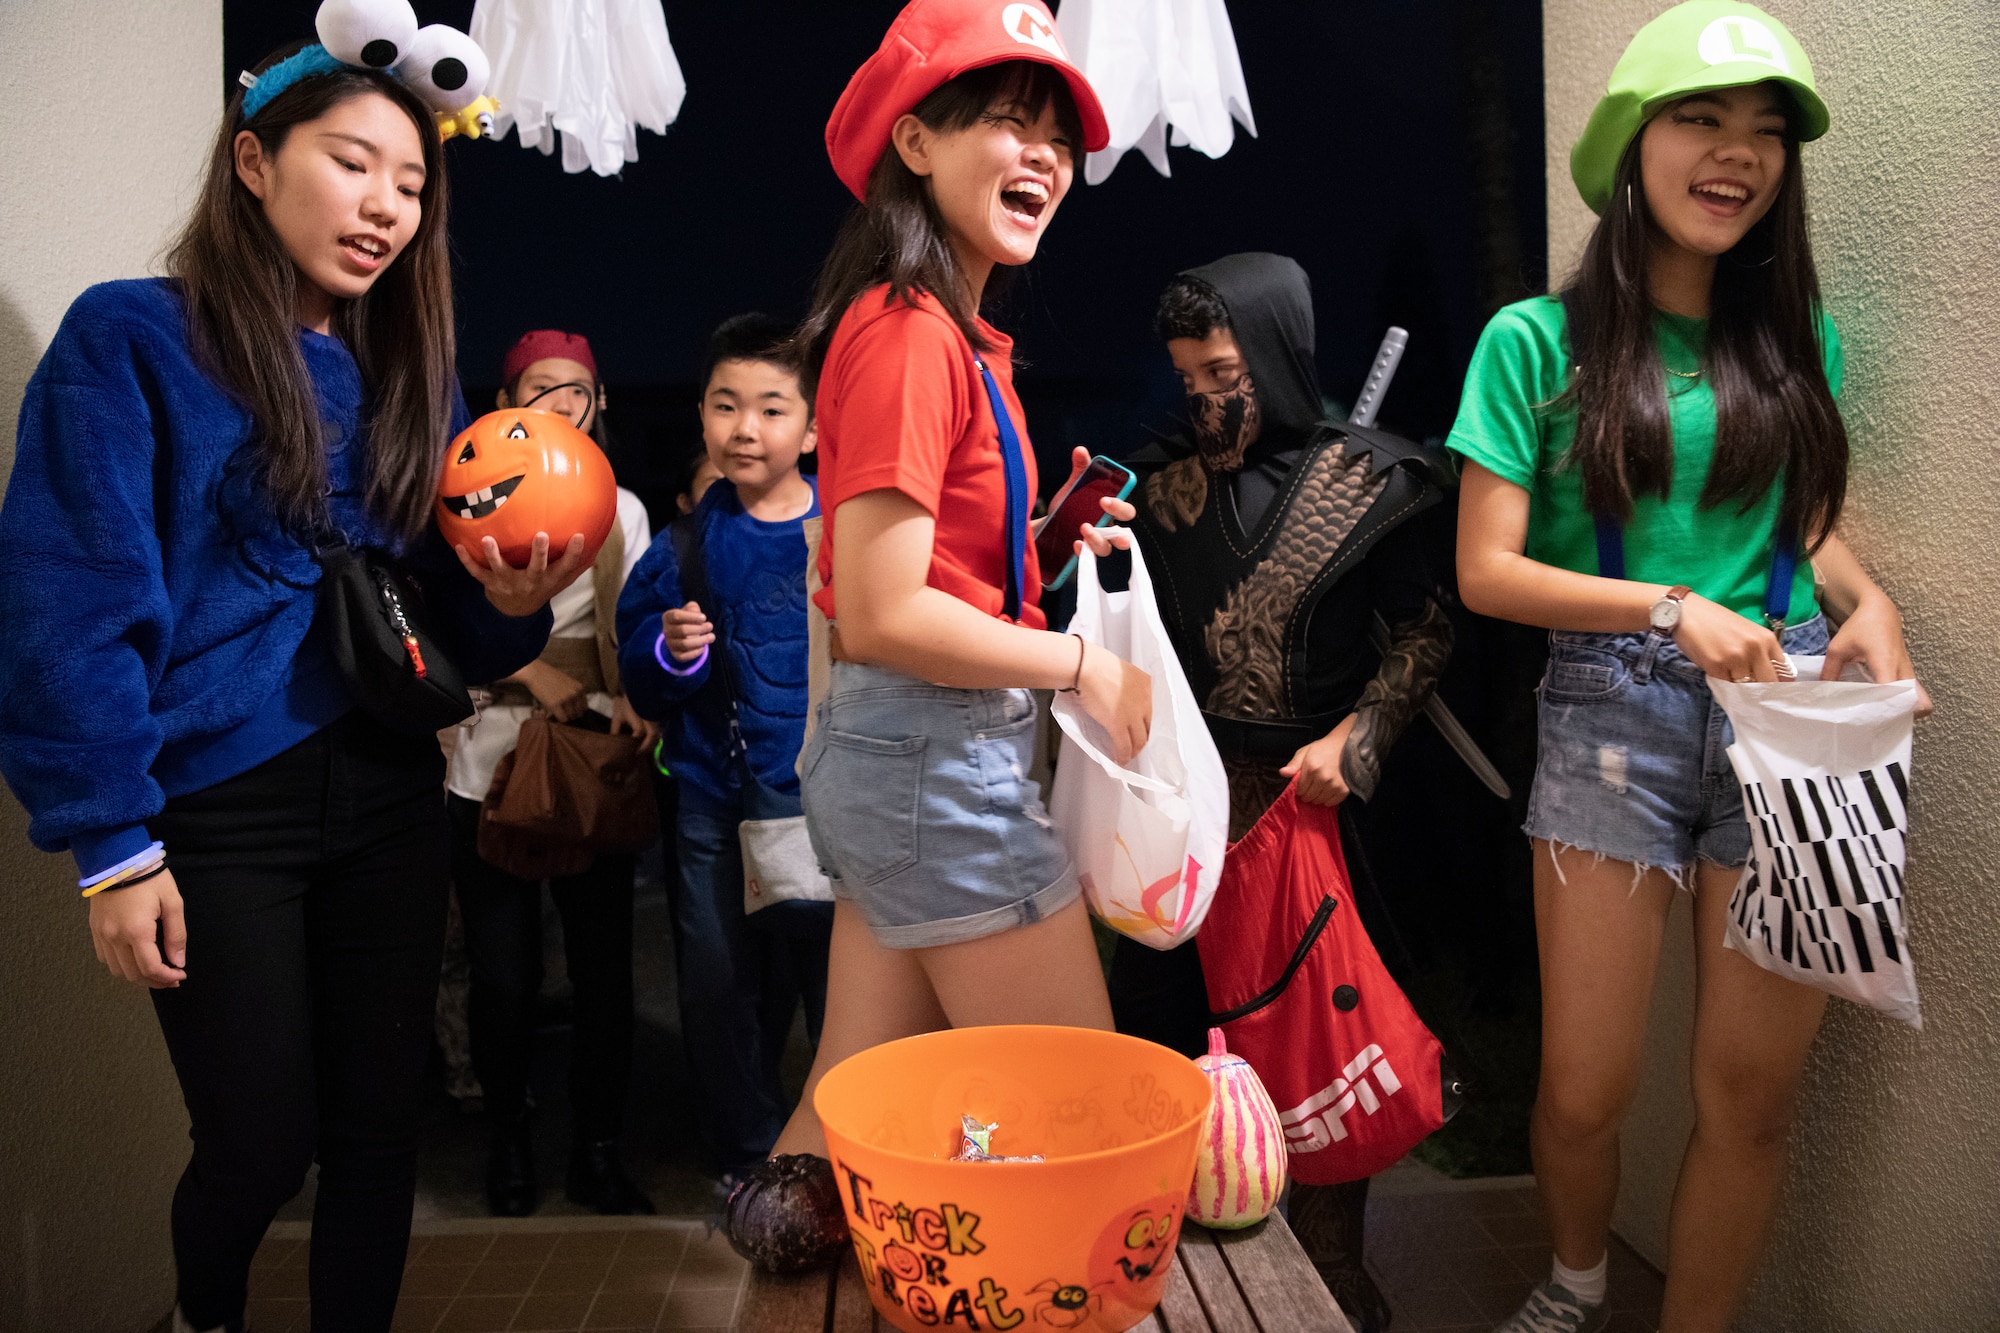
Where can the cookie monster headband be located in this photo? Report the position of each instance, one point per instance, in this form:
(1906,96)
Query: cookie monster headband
(442,66)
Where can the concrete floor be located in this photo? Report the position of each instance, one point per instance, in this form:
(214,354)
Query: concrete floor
(1458,1256)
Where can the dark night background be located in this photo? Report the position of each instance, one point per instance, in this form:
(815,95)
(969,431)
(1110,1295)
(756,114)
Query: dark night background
(1399,160)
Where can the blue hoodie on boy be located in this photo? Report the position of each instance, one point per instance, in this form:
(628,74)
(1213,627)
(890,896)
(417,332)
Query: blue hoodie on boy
(758,572)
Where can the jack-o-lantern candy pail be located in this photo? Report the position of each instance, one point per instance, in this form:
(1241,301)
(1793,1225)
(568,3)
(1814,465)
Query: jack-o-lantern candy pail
(520,471)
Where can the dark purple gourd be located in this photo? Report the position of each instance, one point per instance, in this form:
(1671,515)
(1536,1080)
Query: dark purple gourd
(786,1216)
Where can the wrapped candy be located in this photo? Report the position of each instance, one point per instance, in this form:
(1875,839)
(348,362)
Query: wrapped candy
(1159,66)
(975,1143)
(592,71)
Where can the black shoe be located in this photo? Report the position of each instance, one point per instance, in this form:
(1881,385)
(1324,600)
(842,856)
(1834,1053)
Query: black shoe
(511,1190)
(786,1216)
(1357,1296)
(1329,1221)
(597,1181)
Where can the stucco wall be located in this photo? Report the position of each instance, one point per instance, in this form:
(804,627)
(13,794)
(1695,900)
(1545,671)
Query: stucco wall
(1892,1209)
(107,107)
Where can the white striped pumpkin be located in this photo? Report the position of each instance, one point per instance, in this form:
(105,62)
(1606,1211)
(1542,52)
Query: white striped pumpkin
(1240,1171)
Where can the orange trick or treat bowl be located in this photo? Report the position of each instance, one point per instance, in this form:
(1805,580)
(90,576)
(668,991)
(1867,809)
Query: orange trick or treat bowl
(1081,1240)
(520,471)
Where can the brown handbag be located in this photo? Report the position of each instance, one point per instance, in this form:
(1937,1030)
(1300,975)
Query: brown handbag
(564,795)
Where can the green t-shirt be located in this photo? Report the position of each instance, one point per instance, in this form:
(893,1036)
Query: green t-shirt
(1723,553)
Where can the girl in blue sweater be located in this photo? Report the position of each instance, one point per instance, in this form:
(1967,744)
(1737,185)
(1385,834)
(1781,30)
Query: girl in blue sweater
(259,851)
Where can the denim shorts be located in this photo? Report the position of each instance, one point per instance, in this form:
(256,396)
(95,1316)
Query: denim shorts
(921,812)
(1634,752)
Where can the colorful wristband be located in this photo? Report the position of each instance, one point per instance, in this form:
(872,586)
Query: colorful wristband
(667,664)
(124,870)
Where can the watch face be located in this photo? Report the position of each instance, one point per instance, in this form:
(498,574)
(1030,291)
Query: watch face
(1666,614)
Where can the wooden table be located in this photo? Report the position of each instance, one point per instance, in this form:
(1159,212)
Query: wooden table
(1251,1281)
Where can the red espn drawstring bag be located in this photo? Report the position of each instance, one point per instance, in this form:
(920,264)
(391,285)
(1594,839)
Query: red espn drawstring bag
(1295,983)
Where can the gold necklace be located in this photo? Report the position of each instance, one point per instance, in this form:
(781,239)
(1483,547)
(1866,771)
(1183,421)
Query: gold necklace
(1684,374)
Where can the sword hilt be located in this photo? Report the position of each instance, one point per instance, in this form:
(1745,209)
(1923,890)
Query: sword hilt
(1387,357)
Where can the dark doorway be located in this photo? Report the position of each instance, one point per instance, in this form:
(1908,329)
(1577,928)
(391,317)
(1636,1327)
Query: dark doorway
(1400,160)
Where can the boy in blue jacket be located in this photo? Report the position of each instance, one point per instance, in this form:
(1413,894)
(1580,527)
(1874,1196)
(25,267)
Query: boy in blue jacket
(717,655)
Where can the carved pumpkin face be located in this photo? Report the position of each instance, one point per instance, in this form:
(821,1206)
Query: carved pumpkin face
(520,471)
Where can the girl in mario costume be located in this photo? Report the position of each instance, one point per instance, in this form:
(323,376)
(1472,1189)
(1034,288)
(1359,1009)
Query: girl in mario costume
(956,904)
(1650,453)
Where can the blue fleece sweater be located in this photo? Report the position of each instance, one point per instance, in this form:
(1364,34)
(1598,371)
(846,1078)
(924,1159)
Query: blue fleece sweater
(159,618)
(758,570)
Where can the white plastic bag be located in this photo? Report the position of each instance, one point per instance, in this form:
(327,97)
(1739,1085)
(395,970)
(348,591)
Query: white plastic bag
(1825,770)
(1147,839)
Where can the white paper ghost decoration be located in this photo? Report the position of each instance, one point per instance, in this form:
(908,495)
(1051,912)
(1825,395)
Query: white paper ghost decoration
(592,71)
(1158,66)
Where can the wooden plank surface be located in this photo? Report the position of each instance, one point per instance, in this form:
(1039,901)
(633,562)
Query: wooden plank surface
(1256,1280)
(1214,1285)
(1179,1310)
(1282,1287)
(785,1304)
(853,1312)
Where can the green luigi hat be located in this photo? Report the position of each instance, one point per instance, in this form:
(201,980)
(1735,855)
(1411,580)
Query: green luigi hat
(1692,47)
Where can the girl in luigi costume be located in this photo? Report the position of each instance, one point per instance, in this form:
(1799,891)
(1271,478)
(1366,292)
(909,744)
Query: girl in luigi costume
(1654,470)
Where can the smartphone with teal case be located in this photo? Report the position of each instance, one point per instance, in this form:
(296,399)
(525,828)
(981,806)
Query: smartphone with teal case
(1078,503)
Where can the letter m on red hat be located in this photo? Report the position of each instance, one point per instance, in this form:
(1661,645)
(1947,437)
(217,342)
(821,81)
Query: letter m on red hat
(1032,24)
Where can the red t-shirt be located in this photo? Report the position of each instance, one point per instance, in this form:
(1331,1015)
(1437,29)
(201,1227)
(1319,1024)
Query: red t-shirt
(902,406)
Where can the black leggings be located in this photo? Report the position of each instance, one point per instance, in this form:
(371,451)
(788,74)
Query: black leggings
(503,944)
(315,899)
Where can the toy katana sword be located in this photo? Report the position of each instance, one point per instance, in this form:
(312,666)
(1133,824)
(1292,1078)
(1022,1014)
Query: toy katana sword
(1387,358)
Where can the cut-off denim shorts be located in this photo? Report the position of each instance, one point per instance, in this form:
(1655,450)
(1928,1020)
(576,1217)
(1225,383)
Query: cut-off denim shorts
(1634,759)
(921,812)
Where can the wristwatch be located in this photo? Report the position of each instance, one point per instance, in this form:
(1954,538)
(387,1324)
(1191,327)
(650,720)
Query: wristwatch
(1666,613)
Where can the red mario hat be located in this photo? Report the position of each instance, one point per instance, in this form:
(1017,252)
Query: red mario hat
(931,43)
(540,345)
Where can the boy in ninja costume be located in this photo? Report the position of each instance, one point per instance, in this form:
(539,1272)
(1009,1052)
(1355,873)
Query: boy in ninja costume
(1275,536)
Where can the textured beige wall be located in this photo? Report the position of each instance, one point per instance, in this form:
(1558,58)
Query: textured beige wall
(1892,1210)
(106,108)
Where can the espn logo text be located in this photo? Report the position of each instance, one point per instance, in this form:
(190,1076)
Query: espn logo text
(1315,1123)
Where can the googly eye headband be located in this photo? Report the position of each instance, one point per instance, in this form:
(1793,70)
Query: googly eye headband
(441,65)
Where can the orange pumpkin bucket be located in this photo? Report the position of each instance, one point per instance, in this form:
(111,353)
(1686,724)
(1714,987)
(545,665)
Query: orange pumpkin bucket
(1080,1240)
(520,471)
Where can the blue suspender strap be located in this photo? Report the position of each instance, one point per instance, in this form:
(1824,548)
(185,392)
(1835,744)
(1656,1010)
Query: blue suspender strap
(1610,548)
(1017,495)
(1777,597)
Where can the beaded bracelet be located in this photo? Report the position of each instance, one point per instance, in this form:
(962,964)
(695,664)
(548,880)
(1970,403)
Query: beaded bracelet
(660,656)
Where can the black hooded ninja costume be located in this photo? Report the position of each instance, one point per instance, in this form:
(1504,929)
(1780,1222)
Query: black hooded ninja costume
(1272,559)
(1274,537)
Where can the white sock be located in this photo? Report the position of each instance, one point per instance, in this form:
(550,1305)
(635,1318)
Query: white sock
(1586,1284)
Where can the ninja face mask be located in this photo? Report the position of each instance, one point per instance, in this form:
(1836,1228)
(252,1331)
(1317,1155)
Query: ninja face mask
(1224,424)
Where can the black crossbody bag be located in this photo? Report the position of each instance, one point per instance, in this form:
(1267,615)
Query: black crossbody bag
(381,629)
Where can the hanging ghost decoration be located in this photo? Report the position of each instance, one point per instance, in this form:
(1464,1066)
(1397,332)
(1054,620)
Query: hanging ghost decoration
(1166,71)
(593,72)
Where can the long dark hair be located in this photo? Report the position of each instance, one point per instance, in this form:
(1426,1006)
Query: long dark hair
(241,290)
(898,235)
(1774,412)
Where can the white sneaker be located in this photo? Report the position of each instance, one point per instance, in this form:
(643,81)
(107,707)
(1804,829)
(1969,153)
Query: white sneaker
(1551,1308)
